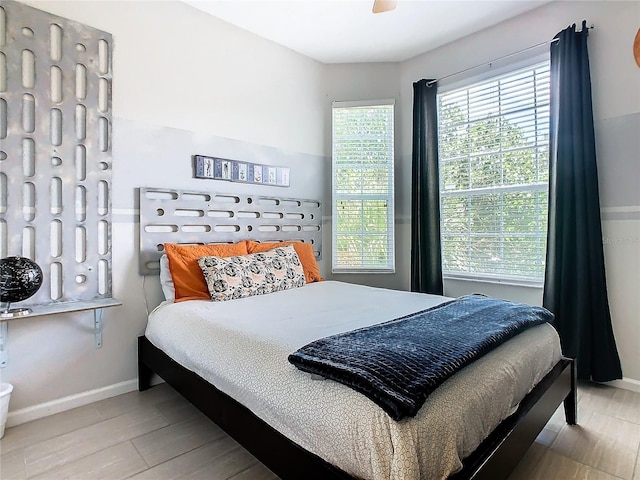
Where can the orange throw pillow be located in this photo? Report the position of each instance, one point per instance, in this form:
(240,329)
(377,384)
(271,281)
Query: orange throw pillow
(187,276)
(304,251)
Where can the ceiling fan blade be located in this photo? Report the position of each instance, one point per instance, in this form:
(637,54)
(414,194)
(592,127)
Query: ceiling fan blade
(380,6)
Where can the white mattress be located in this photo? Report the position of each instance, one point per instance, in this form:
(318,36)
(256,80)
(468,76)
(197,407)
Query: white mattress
(241,347)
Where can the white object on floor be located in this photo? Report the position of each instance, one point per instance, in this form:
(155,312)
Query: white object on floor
(5,396)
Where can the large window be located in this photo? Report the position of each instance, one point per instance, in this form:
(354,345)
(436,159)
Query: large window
(363,187)
(494,169)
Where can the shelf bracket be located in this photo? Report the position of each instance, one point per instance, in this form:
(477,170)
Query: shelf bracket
(97,326)
(4,331)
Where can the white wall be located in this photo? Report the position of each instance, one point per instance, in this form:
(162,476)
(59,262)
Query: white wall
(184,83)
(175,66)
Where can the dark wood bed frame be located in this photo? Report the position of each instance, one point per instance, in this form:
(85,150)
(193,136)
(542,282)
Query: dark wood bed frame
(494,459)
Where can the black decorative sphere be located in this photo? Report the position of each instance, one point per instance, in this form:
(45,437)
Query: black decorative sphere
(20,278)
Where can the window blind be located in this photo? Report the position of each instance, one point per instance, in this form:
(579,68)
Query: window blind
(362,161)
(494,170)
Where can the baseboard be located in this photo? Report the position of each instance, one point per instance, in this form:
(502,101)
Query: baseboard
(63,404)
(626,384)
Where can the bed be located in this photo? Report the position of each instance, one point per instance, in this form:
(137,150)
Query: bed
(230,360)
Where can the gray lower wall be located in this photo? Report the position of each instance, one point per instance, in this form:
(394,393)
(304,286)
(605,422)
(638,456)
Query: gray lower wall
(618,151)
(54,357)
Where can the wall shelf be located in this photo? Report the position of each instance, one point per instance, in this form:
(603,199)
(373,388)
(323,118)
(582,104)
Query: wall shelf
(97,306)
(66,307)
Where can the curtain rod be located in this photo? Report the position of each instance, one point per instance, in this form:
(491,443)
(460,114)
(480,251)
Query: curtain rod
(548,42)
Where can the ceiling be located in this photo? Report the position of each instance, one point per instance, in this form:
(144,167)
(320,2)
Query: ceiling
(346,31)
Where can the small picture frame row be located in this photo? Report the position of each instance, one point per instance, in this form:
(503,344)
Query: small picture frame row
(245,172)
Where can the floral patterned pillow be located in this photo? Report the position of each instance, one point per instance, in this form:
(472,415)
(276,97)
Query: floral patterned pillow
(254,274)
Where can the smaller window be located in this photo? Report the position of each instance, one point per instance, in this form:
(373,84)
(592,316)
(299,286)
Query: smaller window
(362,161)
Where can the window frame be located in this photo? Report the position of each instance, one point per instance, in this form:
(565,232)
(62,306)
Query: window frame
(389,267)
(489,73)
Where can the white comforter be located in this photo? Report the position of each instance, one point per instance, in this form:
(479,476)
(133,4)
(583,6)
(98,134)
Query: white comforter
(241,347)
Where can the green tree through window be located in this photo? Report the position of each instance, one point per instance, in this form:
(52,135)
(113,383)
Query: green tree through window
(494,168)
(363,187)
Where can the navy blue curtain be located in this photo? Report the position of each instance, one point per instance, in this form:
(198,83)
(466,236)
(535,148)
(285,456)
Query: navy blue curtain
(575,288)
(426,256)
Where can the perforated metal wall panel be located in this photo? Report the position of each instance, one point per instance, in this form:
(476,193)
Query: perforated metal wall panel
(187,217)
(55,153)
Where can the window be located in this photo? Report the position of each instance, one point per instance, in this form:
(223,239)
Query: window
(494,169)
(363,238)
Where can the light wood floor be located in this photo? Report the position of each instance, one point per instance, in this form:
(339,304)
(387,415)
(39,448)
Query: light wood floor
(158,435)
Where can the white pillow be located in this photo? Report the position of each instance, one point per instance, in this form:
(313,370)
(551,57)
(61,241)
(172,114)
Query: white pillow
(166,282)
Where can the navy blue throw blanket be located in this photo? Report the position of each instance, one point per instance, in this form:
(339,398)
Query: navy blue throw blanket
(399,363)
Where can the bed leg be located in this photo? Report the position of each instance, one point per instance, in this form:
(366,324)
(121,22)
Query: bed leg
(571,401)
(144,372)
(144,377)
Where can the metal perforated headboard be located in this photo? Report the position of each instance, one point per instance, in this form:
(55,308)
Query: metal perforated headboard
(188,217)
